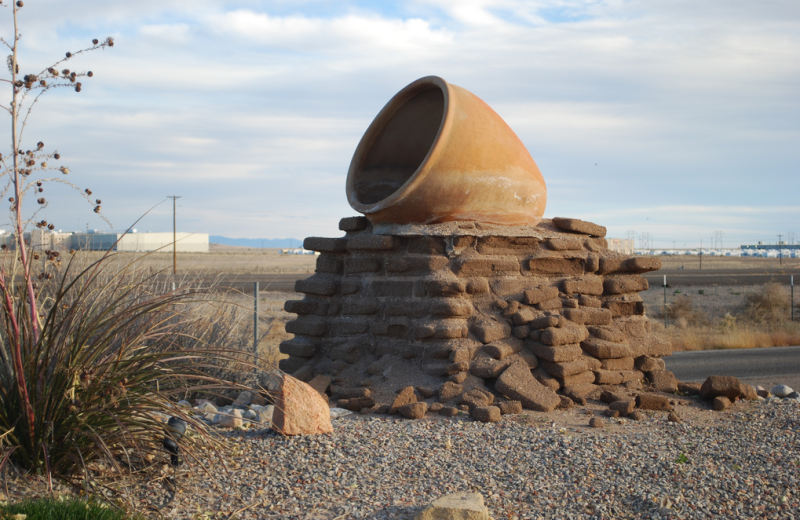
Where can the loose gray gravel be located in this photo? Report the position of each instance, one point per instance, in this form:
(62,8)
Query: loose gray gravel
(739,464)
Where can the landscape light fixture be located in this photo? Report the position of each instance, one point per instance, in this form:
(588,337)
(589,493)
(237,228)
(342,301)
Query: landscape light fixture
(175,430)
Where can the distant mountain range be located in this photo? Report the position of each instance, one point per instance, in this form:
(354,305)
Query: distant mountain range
(255,242)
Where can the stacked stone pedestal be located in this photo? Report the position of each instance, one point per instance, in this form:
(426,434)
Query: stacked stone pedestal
(463,302)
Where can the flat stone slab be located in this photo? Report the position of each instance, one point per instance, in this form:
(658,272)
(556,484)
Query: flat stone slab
(458,506)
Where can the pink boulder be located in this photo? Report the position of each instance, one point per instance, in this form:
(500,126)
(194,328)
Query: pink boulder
(300,410)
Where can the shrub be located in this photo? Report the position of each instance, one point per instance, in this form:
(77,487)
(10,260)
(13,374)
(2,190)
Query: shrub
(116,350)
(51,509)
(769,304)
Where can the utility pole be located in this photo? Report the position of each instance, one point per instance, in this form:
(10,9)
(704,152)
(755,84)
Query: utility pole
(780,249)
(174,234)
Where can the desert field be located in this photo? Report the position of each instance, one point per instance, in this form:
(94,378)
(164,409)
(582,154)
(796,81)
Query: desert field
(705,308)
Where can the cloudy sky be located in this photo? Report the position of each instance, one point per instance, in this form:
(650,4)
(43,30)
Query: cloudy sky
(669,117)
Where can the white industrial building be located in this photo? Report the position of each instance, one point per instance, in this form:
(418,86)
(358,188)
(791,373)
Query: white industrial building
(103,241)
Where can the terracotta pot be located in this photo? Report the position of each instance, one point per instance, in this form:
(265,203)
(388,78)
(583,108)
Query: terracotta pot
(438,153)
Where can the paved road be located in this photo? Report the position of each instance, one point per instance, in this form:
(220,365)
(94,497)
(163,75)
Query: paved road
(757,363)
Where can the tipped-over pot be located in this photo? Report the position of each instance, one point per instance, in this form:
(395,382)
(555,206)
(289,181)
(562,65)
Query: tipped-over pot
(438,153)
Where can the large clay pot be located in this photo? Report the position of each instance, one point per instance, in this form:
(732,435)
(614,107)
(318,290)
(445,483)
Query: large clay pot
(438,153)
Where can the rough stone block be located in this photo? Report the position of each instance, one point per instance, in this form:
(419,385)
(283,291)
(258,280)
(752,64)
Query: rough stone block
(721,403)
(557,266)
(580,393)
(649,364)
(367,242)
(714,386)
(426,245)
(517,382)
(617,364)
(349,327)
(579,226)
(494,245)
(361,306)
(592,362)
(549,305)
(415,265)
(611,334)
(452,307)
(525,315)
(306,306)
(597,244)
(602,349)
(564,244)
(564,336)
(588,301)
(320,383)
(540,294)
(510,407)
(356,404)
(482,266)
(663,381)
(590,316)
(564,368)
(610,265)
(546,379)
(328,263)
(653,402)
(503,348)
(440,288)
(608,377)
(521,331)
(457,506)
(487,367)
(488,414)
(360,264)
(623,308)
(299,347)
(544,322)
(291,364)
(621,284)
(353,224)
(588,284)
(488,330)
(325,245)
(412,308)
(396,327)
(307,326)
(581,378)
(477,286)
(633,326)
(592,263)
(404,397)
(623,407)
(316,285)
(392,288)
(504,287)
(568,352)
(413,410)
(449,391)
(570,303)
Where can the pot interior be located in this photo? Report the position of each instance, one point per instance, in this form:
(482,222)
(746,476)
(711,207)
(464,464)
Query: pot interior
(399,146)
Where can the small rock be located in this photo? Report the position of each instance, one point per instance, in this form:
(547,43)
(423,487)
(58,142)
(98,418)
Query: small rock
(721,403)
(596,422)
(435,407)
(185,404)
(336,413)
(406,396)
(448,411)
(781,390)
(653,402)
(611,413)
(689,388)
(624,407)
(673,417)
(450,390)
(231,420)
(458,506)
(763,392)
(207,407)
(486,413)
(458,378)
(793,395)
(728,386)
(244,399)
(413,410)
(566,403)
(636,415)
(426,392)
(510,407)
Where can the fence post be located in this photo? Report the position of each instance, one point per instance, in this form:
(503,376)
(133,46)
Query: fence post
(665,301)
(791,282)
(255,322)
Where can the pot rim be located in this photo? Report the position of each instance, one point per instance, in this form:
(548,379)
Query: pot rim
(374,130)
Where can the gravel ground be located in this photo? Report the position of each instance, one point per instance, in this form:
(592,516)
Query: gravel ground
(742,463)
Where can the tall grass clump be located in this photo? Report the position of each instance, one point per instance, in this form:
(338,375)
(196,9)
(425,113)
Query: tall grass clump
(93,357)
(114,353)
(770,304)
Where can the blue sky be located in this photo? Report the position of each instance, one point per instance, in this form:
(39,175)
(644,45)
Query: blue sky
(672,118)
